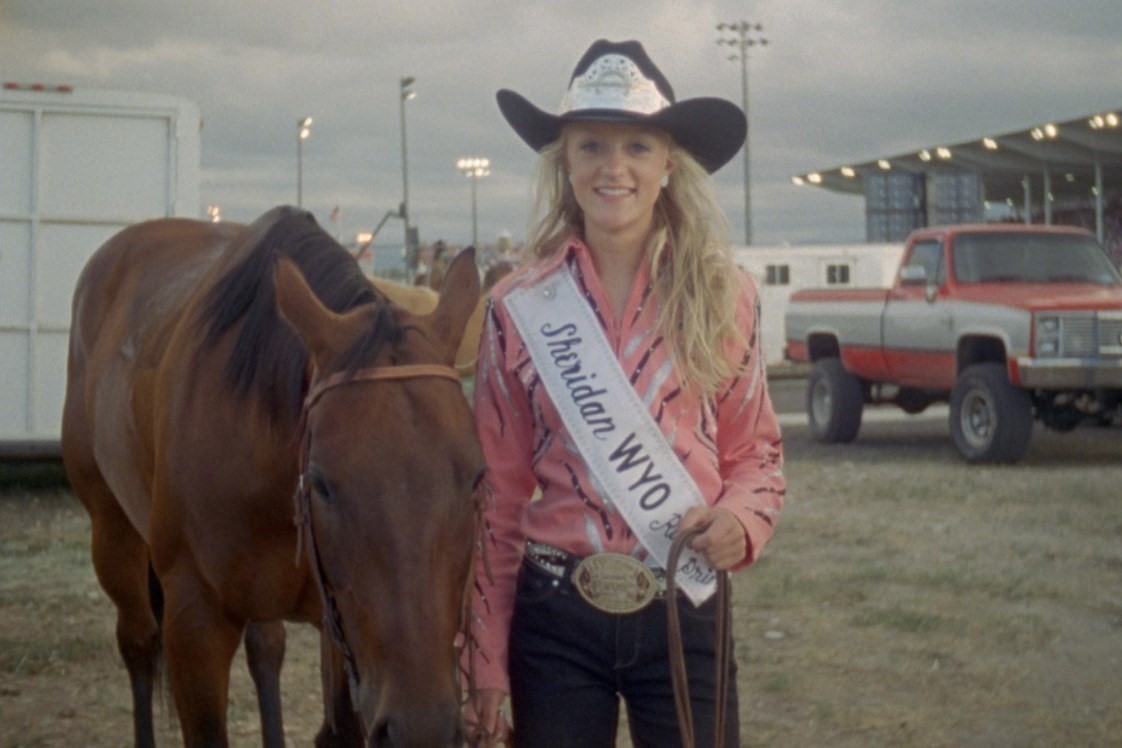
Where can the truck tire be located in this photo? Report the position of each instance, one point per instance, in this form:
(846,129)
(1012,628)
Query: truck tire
(991,420)
(834,402)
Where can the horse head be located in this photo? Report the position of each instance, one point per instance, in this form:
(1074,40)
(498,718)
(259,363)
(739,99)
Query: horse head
(390,514)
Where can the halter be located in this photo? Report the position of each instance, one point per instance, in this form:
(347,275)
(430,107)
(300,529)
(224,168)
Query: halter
(332,621)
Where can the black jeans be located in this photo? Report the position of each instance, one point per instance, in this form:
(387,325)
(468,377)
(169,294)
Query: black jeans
(570,664)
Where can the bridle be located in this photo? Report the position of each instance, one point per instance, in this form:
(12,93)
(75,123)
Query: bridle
(332,620)
(374,374)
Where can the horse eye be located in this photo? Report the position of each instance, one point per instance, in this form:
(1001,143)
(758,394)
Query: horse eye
(319,485)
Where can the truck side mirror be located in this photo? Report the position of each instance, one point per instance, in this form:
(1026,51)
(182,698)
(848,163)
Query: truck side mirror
(913,275)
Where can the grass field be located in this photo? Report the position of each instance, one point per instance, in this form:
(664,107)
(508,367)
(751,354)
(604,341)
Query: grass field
(907,599)
(912,600)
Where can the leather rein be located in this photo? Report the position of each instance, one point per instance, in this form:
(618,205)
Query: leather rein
(677,656)
(332,620)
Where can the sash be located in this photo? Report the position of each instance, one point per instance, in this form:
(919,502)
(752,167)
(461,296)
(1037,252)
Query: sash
(617,436)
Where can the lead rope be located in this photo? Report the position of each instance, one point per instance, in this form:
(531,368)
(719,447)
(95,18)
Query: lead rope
(723,652)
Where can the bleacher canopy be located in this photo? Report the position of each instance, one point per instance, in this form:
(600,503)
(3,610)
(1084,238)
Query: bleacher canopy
(1076,160)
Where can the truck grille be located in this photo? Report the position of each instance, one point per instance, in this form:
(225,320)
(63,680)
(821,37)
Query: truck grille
(1081,334)
(1110,334)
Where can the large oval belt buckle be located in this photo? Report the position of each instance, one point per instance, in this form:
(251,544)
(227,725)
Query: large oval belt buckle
(615,583)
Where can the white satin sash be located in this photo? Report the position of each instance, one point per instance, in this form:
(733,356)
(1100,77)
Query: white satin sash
(617,436)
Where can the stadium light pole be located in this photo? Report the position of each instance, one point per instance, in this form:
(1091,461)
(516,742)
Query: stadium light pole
(406,93)
(473,169)
(303,132)
(745,35)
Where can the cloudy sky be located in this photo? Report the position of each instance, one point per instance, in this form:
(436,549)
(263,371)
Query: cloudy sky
(839,81)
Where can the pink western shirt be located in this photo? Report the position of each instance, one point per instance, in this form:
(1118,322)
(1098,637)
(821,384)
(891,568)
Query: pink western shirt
(730,444)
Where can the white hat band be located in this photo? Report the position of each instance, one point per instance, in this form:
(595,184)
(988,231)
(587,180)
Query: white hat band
(613,82)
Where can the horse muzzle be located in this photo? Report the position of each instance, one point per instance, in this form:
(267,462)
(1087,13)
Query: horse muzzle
(416,728)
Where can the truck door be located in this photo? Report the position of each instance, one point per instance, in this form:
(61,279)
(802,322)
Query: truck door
(916,326)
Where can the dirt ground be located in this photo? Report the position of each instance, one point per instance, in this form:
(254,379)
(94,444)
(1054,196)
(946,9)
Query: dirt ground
(907,599)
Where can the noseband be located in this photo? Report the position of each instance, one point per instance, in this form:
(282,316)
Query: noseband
(305,531)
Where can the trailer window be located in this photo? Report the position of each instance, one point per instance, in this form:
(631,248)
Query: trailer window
(837,275)
(778,275)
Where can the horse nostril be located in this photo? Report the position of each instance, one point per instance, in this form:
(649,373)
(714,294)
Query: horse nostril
(382,737)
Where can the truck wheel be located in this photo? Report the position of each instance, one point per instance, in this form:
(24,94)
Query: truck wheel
(991,420)
(834,401)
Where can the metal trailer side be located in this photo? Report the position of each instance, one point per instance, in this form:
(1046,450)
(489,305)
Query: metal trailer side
(76,166)
(781,270)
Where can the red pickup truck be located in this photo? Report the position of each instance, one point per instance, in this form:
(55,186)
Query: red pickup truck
(1010,323)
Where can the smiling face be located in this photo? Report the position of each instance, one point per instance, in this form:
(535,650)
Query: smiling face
(615,171)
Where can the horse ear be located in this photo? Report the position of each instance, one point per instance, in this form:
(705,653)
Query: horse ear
(299,306)
(458,298)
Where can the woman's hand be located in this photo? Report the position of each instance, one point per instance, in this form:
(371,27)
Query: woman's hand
(723,541)
(486,723)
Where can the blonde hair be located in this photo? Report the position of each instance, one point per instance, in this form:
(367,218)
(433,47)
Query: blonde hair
(695,278)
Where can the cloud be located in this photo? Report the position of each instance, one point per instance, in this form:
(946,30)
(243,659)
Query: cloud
(837,82)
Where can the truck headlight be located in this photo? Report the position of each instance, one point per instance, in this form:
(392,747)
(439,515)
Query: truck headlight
(1048,331)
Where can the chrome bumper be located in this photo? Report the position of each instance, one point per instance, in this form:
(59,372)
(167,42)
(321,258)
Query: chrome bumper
(1070,373)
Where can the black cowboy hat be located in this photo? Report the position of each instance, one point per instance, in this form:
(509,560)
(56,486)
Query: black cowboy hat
(617,82)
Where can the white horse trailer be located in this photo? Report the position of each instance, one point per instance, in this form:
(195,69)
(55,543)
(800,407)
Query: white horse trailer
(780,270)
(76,166)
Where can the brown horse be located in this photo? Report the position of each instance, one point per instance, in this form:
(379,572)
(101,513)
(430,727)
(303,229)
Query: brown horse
(207,380)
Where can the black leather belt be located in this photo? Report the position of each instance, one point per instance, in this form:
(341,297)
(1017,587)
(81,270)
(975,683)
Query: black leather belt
(555,562)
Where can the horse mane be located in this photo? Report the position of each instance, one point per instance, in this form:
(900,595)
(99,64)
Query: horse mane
(269,359)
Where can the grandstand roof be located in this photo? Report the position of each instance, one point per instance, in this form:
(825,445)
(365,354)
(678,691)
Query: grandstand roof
(1068,151)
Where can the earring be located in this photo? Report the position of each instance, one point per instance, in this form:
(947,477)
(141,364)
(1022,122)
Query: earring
(664,181)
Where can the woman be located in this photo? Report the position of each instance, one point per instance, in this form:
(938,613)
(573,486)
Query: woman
(621,376)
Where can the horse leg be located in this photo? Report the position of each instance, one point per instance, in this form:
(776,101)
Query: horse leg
(121,561)
(341,727)
(264,652)
(200,643)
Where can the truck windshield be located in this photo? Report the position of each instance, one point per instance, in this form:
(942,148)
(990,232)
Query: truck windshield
(1027,258)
